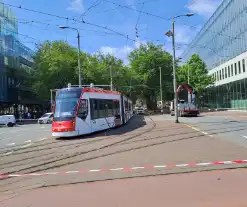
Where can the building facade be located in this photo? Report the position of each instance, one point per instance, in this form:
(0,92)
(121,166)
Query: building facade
(222,45)
(16,95)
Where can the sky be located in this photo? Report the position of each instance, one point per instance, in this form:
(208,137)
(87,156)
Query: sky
(111,26)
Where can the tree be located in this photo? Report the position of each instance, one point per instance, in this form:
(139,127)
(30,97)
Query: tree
(145,62)
(198,74)
(56,65)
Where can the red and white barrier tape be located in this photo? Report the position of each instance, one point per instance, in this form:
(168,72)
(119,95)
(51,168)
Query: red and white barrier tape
(127,169)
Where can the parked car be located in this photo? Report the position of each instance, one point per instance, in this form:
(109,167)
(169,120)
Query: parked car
(46,118)
(7,120)
(139,110)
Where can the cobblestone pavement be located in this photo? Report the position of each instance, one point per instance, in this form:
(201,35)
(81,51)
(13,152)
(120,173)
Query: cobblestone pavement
(143,141)
(204,189)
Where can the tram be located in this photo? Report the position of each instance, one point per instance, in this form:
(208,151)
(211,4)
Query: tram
(79,111)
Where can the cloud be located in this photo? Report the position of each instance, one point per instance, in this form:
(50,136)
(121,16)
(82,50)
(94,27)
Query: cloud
(183,36)
(76,6)
(122,52)
(204,7)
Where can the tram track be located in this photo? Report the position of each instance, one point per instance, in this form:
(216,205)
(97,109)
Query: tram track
(49,164)
(117,151)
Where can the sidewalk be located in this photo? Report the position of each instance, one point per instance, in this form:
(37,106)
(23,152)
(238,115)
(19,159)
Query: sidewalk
(204,189)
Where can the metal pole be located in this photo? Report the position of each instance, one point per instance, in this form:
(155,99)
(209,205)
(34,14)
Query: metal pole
(189,95)
(161,92)
(79,60)
(111,77)
(174,73)
(51,99)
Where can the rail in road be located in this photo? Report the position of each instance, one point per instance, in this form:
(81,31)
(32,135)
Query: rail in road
(135,148)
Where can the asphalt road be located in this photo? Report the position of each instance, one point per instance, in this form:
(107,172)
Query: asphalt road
(22,136)
(230,126)
(126,152)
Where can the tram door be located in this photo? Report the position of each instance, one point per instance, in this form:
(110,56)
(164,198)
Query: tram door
(122,109)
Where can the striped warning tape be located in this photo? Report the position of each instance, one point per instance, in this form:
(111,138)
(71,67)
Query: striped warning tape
(127,169)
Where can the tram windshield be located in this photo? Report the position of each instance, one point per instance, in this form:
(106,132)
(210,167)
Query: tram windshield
(66,104)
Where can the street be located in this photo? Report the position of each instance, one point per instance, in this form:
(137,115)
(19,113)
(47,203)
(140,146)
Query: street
(21,136)
(146,146)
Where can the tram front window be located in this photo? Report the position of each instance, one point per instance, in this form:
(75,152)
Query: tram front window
(65,109)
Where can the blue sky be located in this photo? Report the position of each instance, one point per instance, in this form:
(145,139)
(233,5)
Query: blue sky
(117,18)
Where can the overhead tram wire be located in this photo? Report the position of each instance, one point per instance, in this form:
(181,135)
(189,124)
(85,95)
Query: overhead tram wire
(130,8)
(55,25)
(138,18)
(95,4)
(61,17)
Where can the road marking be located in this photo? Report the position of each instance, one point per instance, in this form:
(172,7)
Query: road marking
(198,130)
(27,145)
(188,165)
(42,139)
(244,136)
(10,144)
(8,153)
(28,141)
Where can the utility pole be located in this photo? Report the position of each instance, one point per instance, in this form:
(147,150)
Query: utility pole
(111,77)
(79,60)
(189,95)
(161,92)
(169,34)
(174,73)
(79,50)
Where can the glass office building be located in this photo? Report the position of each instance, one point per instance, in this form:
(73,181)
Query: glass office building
(16,97)
(222,44)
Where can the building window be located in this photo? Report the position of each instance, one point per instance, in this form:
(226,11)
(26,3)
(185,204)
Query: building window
(225,72)
(239,67)
(232,70)
(220,74)
(235,67)
(229,71)
(243,62)
(9,81)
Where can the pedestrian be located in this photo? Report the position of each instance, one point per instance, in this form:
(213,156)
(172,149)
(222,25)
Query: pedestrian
(28,115)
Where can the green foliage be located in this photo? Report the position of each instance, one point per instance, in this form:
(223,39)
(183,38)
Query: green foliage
(198,74)
(145,62)
(56,65)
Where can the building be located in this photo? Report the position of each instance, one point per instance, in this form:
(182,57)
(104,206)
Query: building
(222,44)
(16,96)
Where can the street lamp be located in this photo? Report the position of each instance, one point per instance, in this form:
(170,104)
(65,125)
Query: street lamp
(79,50)
(172,34)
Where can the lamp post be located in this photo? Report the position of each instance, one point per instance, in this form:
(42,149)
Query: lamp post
(172,34)
(79,50)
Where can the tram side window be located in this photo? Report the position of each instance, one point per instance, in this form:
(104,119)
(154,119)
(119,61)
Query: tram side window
(83,109)
(110,108)
(102,108)
(94,108)
(116,109)
(126,105)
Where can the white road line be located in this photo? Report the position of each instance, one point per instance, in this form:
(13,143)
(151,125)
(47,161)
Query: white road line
(27,145)
(10,144)
(8,153)
(42,139)
(28,141)
(204,132)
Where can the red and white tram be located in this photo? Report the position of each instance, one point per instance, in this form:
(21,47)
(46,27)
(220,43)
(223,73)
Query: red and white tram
(78,111)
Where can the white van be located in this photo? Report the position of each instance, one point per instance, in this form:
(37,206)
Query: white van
(7,120)
(46,118)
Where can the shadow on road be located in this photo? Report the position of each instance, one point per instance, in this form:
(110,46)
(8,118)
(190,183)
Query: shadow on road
(134,123)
